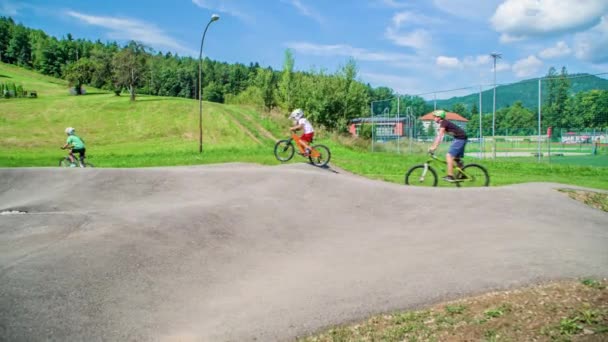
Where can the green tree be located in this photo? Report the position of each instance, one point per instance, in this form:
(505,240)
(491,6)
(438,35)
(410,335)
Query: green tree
(213,93)
(101,57)
(265,80)
(80,73)
(286,85)
(517,119)
(430,130)
(19,50)
(554,109)
(381,93)
(6,25)
(588,110)
(461,109)
(474,109)
(129,66)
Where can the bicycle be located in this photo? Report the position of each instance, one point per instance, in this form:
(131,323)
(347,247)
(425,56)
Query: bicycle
(284,150)
(78,162)
(464,175)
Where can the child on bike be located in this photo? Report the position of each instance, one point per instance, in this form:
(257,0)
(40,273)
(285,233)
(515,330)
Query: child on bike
(457,147)
(301,123)
(75,144)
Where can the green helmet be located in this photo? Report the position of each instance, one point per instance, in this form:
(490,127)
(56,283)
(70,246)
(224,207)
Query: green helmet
(440,113)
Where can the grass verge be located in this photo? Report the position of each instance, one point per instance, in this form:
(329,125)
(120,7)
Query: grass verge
(563,311)
(594,199)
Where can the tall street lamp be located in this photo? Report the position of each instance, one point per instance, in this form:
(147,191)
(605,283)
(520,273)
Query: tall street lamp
(214,17)
(494,55)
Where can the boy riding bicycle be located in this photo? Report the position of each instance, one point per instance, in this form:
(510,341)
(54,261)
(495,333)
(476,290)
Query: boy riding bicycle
(75,144)
(301,123)
(457,147)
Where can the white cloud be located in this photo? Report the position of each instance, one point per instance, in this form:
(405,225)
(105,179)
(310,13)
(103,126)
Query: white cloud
(464,8)
(524,18)
(305,10)
(527,66)
(225,6)
(502,66)
(559,50)
(592,46)
(418,39)
(404,18)
(400,84)
(477,60)
(131,29)
(393,3)
(448,62)
(349,51)
(507,38)
(466,62)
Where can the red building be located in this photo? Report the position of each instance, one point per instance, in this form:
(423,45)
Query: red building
(456,118)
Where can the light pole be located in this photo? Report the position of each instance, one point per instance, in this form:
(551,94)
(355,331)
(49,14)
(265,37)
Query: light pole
(214,17)
(494,55)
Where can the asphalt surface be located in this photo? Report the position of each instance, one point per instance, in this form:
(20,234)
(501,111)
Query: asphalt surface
(241,252)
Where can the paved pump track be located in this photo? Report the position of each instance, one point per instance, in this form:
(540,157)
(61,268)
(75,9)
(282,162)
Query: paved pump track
(241,252)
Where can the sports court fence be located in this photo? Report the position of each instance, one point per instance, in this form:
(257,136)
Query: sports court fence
(542,118)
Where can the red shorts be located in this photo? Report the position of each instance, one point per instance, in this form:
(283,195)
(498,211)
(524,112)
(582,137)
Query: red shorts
(307,137)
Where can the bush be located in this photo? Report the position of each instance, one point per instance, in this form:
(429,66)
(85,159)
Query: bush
(365,131)
(8,90)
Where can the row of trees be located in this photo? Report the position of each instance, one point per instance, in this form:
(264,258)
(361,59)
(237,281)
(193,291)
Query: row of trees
(330,99)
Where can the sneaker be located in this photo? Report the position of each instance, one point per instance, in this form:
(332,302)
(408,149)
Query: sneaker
(72,165)
(449,179)
(307,152)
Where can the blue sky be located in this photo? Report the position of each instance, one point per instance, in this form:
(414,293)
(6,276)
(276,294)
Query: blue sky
(412,46)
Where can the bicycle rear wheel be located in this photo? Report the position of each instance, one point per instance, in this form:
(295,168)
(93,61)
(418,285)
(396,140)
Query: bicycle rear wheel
(474,175)
(417,176)
(323,156)
(284,150)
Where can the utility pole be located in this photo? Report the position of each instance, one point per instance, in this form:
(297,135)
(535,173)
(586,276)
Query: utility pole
(494,55)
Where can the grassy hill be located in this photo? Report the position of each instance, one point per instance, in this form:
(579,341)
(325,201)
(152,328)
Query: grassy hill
(163,131)
(118,129)
(525,91)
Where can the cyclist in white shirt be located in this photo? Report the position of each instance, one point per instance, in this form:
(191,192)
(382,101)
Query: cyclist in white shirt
(301,123)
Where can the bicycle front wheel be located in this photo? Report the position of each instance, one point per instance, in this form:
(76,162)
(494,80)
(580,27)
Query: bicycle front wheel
(420,176)
(320,155)
(64,162)
(474,175)
(284,150)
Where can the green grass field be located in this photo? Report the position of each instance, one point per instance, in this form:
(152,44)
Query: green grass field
(163,131)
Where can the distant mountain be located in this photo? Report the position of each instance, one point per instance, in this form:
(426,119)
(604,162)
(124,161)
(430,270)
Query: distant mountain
(525,91)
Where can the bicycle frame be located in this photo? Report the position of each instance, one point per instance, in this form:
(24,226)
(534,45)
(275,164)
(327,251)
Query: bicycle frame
(313,152)
(438,161)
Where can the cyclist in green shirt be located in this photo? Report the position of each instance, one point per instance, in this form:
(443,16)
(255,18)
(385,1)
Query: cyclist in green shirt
(75,144)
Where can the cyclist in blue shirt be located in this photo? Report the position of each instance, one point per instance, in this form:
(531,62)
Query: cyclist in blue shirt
(456,151)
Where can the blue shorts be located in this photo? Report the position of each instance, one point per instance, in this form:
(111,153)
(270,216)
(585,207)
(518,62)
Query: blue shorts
(457,148)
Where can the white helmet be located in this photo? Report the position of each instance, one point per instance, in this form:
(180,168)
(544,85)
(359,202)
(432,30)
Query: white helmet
(69,130)
(297,114)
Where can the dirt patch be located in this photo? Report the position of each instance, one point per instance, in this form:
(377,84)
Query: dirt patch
(565,311)
(243,128)
(594,199)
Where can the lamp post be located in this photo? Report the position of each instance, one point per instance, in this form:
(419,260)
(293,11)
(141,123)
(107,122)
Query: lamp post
(214,17)
(494,55)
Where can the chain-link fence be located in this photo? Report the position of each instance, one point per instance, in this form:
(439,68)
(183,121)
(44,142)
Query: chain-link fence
(553,117)
(392,126)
